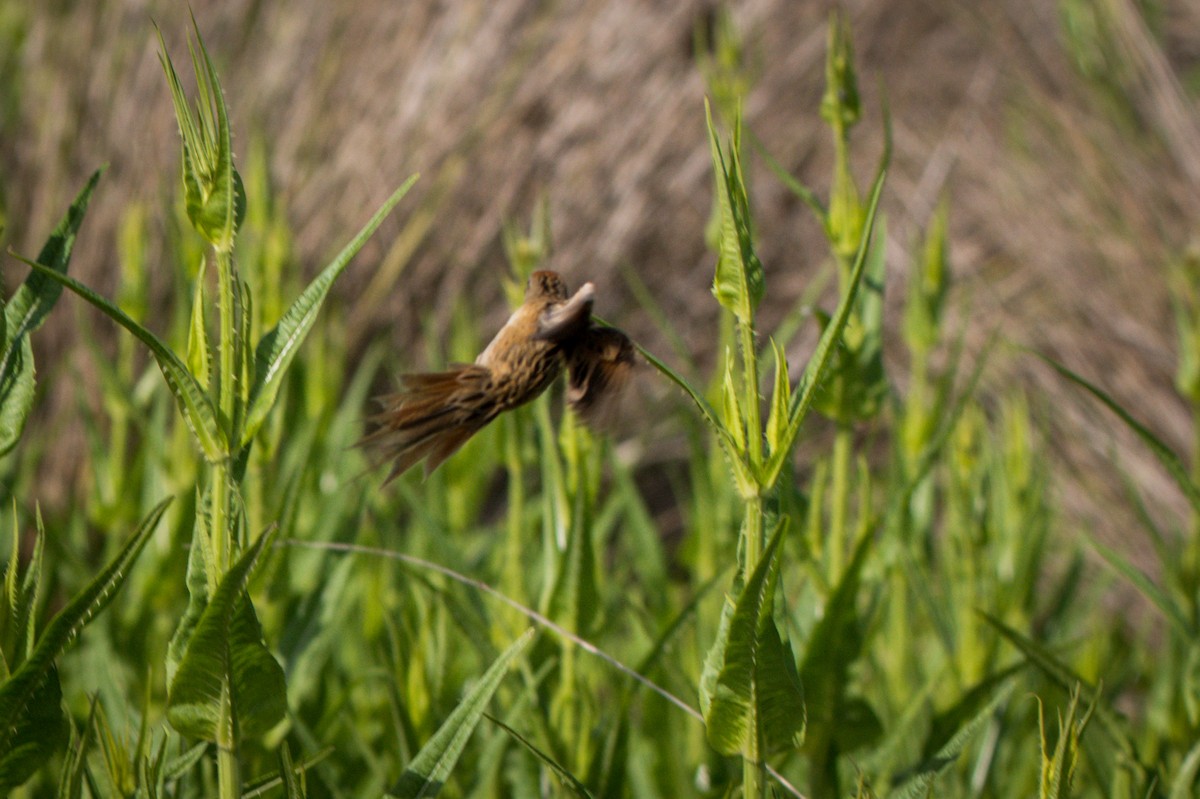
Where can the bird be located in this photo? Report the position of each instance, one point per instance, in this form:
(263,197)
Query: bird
(434,413)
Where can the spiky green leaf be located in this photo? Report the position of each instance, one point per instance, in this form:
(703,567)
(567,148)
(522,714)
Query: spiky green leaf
(226,662)
(37,732)
(749,693)
(214,196)
(19,692)
(278,347)
(430,769)
(739,282)
(195,405)
(24,313)
(918,781)
(781,398)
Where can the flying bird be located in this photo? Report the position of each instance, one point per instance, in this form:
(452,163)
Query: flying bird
(433,414)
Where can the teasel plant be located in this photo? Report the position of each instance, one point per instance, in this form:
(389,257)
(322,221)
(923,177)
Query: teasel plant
(224,685)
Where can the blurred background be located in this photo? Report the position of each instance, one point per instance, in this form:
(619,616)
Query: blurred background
(1064,135)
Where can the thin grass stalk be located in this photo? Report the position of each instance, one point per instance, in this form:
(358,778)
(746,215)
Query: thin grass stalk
(839,501)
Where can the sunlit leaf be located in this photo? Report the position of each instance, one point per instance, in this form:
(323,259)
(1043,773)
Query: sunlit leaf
(278,347)
(25,311)
(749,692)
(918,781)
(226,670)
(193,402)
(430,769)
(739,282)
(23,696)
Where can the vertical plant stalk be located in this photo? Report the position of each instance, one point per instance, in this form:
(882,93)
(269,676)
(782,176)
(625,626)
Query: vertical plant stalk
(752,530)
(839,504)
(228,347)
(229,779)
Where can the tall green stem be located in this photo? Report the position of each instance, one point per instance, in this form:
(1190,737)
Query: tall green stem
(223,516)
(839,506)
(754,431)
(752,783)
(229,783)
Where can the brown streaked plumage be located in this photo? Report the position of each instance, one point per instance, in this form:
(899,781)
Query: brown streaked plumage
(433,414)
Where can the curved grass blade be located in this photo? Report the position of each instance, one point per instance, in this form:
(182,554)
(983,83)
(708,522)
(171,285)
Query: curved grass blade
(226,661)
(278,347)
(25,312)
(1183,785)
(428,771)
(920,782)
(1114,727)
(18,691)
(1159,598)
(569,781)
(194,403)
(1165,455)
(741,469)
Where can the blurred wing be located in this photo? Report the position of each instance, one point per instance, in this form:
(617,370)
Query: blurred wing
(566,320)
(600,364)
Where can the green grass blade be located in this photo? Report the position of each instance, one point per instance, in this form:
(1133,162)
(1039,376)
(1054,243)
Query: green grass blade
(802,399)
(919,781)
(1159,598)
(278,347)
(194,403)
(706,411)
(25,312)
(225,657)
(268,785)
(1184,784)
(292,788)
(429,770)
(792,184)
(568,780)
(1165,455)
(17,692)
(1067,678)
(70,781)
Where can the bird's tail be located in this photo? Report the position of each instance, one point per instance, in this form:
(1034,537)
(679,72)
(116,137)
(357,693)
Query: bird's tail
(431,416)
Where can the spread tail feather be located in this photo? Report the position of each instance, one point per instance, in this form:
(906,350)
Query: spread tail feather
(430,417)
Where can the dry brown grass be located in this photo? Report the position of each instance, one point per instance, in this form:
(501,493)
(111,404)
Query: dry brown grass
(1064,213)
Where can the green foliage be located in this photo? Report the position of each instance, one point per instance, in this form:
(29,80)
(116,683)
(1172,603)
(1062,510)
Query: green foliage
(431,767)
(30,696)
(24,313)
(749,667)
(226,665)
(869,618)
